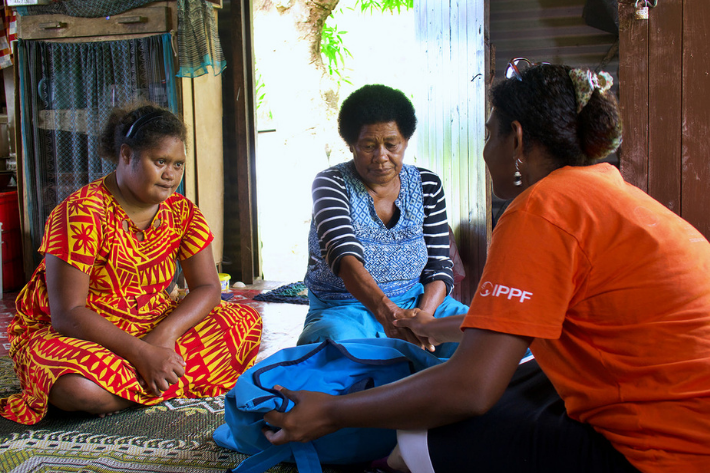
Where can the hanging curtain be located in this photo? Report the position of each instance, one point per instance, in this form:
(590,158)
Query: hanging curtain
(67,91)
(198,41)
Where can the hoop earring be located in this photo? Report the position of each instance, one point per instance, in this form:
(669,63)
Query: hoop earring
(517,177)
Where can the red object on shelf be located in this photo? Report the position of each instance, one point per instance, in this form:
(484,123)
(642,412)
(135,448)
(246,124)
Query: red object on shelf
(13,276)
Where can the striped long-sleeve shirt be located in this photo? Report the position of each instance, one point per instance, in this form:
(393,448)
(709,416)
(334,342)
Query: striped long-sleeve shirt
(414,250)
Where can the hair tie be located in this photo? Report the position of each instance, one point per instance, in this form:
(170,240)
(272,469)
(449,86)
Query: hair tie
(586,81)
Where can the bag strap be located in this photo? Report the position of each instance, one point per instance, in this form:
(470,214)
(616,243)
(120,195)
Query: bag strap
(264,460)
(306,457)
(362,385)
(304,453)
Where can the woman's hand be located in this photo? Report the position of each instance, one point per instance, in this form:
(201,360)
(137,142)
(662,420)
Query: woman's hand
(157,340)
(467,385)
(363,287)
(432,330)
(67,289)
(306,421)
(419,324)
(159,368)
(165,379)
(392,330)
(204,296)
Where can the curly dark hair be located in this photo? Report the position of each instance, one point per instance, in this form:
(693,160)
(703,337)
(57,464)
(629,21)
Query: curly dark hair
(157,123)
(545,104)
(375,103)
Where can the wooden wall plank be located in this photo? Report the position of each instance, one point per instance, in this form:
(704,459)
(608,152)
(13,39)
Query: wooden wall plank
(209,156)
(696,114)
(633,95)
(665,65)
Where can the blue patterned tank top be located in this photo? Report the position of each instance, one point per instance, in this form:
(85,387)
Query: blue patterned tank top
(395,257)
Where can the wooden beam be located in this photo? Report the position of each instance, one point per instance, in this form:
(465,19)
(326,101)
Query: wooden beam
(633,94)
(696,114)
(245,136)
(665,67)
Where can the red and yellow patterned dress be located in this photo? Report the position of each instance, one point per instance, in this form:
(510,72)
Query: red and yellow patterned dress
(128,282)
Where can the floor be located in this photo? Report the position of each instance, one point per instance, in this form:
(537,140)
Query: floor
(282,322)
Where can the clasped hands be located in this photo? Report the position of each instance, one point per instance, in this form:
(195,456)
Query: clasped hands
(158,365)
(410,325)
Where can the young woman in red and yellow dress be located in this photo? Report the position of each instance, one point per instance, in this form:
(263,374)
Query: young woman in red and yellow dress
(95,329)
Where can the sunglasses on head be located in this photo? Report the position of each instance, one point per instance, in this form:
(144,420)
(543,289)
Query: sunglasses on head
(518,65)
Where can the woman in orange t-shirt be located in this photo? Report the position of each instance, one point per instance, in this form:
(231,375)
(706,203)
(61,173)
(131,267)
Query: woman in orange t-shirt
(609,289)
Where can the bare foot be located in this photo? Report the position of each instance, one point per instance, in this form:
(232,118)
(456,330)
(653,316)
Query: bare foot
(108,414)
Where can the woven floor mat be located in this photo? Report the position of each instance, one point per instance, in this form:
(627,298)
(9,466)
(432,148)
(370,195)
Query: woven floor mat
(174,436)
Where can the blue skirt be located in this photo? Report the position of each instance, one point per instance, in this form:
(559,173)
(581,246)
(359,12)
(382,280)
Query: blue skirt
(347,320)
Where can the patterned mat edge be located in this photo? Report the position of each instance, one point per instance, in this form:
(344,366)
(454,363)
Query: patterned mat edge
(293,293)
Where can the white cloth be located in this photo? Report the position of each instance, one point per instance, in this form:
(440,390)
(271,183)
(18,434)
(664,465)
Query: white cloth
(414,448)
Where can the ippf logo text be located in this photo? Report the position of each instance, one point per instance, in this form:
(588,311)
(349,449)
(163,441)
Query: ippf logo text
(499,290)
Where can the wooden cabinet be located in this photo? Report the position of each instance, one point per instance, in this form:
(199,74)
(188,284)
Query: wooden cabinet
(146,20)
(199,104)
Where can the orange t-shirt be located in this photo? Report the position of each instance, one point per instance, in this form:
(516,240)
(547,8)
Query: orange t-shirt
(615,290)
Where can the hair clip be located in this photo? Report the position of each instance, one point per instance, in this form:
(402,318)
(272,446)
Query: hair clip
(586,82)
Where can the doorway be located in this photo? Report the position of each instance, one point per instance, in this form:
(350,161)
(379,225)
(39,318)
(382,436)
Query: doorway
(294,142)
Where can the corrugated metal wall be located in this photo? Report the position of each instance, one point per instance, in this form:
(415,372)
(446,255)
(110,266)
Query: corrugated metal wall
(452,106)
(451,119)
(548,30)
(552,31)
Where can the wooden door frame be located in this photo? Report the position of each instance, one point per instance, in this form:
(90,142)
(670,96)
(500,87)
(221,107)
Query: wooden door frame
(473,245)
(244,138)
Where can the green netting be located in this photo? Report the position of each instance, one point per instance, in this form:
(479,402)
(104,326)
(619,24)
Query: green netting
(67,92)
(198,40)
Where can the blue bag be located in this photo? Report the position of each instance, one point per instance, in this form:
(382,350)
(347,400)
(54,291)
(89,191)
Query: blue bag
(331,367)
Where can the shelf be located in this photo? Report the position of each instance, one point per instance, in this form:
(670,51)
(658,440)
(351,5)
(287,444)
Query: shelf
(137,21)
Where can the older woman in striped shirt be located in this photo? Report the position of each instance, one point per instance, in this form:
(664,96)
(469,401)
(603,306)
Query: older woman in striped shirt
(379,242)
